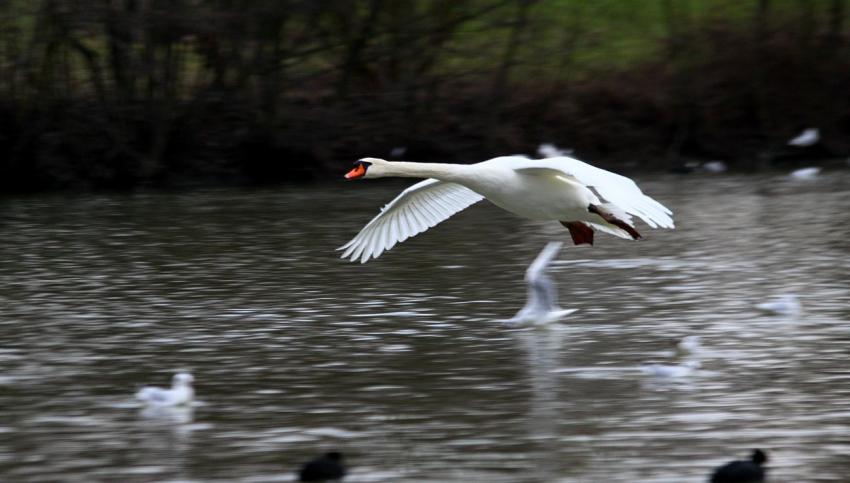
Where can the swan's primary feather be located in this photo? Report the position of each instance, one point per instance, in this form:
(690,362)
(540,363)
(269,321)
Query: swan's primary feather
(613,188)
(416,209)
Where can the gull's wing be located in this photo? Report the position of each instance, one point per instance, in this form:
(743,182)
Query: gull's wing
(541,263)
(153,395)
(416,209)
(617,190)
(542,291)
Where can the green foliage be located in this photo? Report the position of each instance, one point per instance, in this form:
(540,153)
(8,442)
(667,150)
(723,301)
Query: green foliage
(142,91)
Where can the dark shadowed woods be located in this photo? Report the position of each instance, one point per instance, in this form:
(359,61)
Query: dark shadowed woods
(127,93)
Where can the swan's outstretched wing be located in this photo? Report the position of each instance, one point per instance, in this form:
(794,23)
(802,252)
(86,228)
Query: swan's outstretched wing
(416,209)
(617,190)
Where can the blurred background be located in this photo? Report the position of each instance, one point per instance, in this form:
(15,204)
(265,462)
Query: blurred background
(127,93)
(171,198)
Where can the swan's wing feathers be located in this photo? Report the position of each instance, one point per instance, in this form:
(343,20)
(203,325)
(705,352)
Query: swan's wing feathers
(614,188)
(416,209)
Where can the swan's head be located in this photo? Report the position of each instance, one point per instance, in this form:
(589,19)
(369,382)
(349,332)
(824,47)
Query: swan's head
(182,379)
(368,168)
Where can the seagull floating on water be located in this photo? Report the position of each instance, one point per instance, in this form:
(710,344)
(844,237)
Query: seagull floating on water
(671,371)
(556,189)
(805,173)
(181,392)
(808,137)
(742,471)
(541,308)
(714,167)
(329,466)
(787,304)
(689,344)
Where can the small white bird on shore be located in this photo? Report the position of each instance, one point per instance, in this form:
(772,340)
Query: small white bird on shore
(714,167)
(787,304)
(809,137)
(541,308)
(805,173)
(181,392)
(549,150)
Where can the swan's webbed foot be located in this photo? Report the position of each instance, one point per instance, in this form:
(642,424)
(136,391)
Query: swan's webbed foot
(580,232)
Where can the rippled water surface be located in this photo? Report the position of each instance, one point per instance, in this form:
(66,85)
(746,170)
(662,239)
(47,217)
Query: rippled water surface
(402,363)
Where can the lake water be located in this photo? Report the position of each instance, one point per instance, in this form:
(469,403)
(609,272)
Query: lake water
(402,364)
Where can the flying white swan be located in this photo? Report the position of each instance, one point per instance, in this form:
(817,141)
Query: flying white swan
(582,197)
(181,392)
(541,308)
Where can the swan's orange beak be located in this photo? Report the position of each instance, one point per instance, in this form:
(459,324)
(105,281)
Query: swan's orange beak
(358,172)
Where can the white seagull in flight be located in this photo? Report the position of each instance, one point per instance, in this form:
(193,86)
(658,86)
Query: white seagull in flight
(541,308)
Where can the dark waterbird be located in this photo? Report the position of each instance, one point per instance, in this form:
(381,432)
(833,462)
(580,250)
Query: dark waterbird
(329,466)
(742,471)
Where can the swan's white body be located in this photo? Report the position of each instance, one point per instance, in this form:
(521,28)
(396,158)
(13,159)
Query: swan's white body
(544,189)
(181,392)
(541,308)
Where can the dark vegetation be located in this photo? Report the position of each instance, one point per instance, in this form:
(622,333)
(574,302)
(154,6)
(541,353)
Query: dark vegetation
(128,93)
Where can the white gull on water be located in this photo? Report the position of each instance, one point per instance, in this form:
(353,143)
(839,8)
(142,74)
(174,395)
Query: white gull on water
(787,304)
(180,393)
(667,370)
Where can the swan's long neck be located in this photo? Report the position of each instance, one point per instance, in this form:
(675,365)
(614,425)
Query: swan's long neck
(441,171)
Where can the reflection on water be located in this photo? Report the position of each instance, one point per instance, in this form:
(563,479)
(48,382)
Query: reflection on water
(401,363)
